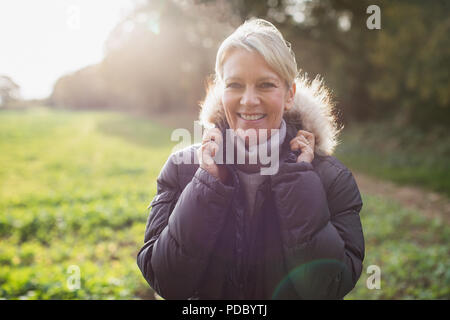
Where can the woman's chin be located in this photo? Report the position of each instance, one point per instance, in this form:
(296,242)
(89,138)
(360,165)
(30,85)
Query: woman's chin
(253,134)
(253,127)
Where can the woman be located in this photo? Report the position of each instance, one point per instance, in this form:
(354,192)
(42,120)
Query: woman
(226,231)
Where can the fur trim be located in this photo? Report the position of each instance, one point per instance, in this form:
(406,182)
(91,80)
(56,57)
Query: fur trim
(313,111)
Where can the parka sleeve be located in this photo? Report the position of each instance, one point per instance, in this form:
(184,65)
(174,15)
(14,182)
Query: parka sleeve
(321,231)
(181,231)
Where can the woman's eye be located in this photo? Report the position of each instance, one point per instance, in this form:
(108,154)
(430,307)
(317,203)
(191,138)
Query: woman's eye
(233,85)
(267,85)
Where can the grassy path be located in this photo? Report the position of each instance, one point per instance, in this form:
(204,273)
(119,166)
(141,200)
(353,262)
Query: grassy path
(429,203)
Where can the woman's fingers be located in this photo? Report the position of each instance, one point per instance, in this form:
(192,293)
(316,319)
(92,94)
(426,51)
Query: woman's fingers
(298,144)
(308,136)
(301,139)
(207,152)
(305,137)
(304,141)
(210,148)
(212,135)
(212,139)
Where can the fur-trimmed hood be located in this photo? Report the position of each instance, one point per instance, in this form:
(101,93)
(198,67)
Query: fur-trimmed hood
(313,111)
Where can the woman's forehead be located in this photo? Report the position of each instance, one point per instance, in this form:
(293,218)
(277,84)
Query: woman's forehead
(242,64)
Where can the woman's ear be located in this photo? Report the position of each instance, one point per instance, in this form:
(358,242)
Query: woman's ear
(290,97)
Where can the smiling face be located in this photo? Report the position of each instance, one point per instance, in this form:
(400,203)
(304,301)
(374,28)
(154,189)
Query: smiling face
(254,95)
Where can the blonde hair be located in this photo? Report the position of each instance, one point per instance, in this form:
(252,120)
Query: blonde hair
(263,37)
(312,99)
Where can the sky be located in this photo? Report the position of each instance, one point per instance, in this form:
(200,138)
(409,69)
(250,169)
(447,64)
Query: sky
(41,40)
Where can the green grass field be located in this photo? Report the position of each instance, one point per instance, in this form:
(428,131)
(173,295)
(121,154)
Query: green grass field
(74,190)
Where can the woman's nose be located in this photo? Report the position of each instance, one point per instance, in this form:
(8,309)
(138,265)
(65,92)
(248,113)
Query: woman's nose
(249,97)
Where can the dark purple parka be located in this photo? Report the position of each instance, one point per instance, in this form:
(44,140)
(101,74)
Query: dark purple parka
(305,240)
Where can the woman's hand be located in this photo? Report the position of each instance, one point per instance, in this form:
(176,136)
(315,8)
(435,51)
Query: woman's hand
(211,142)
(304,141)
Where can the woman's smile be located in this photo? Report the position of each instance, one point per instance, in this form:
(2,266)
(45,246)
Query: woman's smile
(252,116)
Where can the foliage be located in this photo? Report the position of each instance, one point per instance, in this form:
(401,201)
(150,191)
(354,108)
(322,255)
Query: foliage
(411,62)
(410,250)
(9,90)
(399,71)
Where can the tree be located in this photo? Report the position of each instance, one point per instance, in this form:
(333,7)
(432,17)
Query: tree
(9,90)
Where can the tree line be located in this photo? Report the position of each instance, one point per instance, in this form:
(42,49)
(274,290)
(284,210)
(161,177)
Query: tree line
(159,58)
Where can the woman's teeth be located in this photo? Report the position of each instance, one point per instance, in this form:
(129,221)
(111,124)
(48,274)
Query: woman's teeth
(251,116)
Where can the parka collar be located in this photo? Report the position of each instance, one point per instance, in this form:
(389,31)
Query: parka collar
(313,110)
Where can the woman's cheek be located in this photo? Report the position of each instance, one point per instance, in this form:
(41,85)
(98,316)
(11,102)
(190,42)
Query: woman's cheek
(276,112)
(230,113)
(227,102)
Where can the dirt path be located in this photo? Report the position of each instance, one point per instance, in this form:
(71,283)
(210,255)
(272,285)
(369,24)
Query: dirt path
(430,203)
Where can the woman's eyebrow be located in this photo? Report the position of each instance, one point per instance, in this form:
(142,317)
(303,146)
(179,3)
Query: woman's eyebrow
(268,78)
(232,78)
